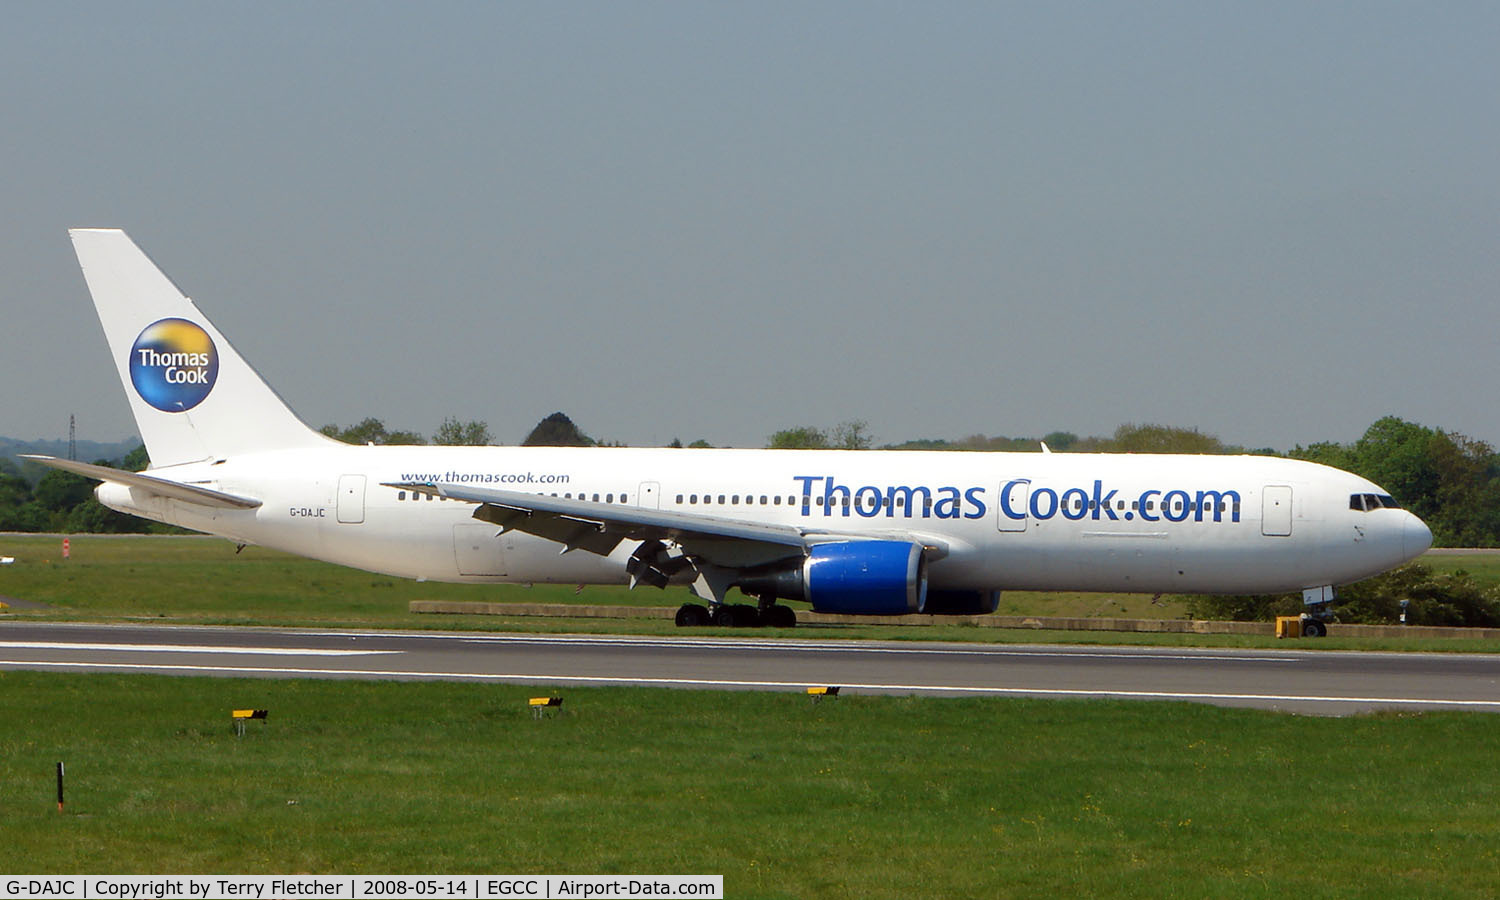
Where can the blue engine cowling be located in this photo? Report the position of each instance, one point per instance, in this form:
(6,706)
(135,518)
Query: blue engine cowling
(866,578)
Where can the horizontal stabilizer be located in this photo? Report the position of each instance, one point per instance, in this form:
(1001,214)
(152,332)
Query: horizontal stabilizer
(175,490)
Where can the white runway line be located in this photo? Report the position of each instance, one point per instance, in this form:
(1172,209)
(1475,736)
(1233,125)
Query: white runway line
(801,645)
(188,648)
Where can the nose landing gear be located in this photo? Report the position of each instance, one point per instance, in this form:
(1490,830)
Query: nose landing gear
(1319,603)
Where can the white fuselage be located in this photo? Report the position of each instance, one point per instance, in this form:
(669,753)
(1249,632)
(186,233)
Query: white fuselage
(1035,521)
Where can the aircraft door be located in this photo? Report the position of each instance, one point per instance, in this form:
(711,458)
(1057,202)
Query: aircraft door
(1276,510)
(351,500)
(1014,498)
(649,495)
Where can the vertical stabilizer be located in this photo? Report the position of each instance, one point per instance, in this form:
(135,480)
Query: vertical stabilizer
(193,396)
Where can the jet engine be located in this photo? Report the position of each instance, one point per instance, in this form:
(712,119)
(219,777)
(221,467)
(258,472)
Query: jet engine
(861,578)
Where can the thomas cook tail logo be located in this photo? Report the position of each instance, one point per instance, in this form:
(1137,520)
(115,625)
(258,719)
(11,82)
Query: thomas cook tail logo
(173,365)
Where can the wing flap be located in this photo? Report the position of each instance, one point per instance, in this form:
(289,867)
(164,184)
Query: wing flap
(573,533)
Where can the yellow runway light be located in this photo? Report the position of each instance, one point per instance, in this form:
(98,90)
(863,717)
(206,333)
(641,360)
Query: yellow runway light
(540,705)
(241,716)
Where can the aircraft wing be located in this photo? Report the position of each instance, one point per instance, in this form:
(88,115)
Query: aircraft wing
(600,527)
(162,487)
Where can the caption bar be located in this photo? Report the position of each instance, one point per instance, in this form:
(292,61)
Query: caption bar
(384,887)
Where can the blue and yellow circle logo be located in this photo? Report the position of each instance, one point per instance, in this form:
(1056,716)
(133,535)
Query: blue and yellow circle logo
(173,365)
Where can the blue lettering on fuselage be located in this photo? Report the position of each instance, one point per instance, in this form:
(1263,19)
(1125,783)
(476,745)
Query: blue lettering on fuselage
(1076,503)
(823,493)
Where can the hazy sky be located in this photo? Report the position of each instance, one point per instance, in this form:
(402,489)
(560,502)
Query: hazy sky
(1273,222)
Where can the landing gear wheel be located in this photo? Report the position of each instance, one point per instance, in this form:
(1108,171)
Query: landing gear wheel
(779,616)
(736,615)
(1314,628)
(692,615)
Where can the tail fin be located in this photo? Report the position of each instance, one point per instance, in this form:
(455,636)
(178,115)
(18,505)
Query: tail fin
(193,396)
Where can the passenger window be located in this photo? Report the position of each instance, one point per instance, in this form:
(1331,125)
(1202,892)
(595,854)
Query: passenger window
(762,499)
(778,499)
(721,499)
(609,498)
(401,495)
(735,500)
(679,499)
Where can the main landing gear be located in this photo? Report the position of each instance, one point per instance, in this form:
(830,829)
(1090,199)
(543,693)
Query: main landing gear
(736,615)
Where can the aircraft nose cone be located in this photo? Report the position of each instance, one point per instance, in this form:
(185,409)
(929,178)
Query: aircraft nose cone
(1416,537)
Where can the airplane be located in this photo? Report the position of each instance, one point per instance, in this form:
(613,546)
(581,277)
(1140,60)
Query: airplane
(856,532)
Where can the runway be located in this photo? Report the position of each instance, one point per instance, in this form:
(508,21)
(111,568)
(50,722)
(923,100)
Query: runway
(1304,681)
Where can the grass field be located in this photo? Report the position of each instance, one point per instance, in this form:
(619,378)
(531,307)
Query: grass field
(857,797)
(202,580)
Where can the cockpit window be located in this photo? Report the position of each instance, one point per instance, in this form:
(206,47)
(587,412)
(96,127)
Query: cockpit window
(1367,502)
